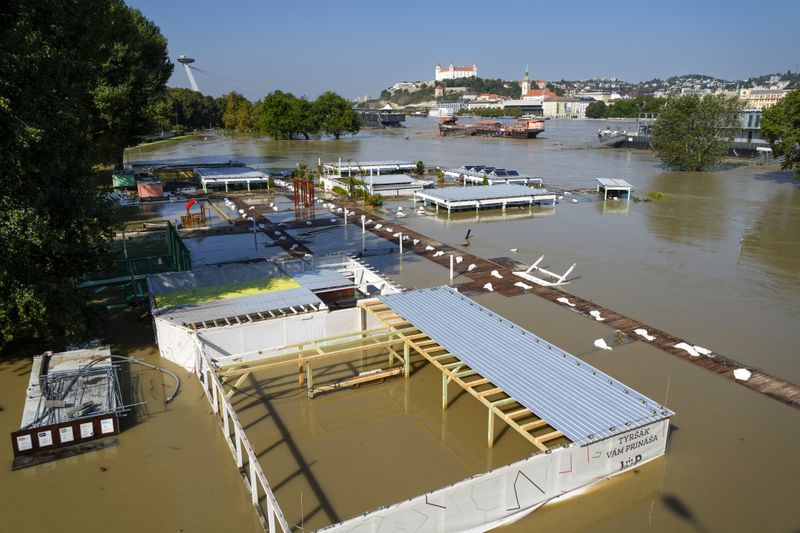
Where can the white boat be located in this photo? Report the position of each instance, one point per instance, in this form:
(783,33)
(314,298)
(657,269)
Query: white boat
(441,112)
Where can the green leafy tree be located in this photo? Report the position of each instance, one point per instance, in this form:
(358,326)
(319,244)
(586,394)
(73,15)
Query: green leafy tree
(780,125)
(420,168)
(129,71)
(237,113)
(184,108)
(596,110)
(77,80)
(631,107)
(280,115)
(309,120)
(335,115)
(694,133)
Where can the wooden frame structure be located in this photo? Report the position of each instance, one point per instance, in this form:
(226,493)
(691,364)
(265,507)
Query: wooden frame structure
(499,404)
(305,353)
(394,334)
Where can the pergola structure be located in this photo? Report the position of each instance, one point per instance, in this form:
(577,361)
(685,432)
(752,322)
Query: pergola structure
(499,403)
(547,396)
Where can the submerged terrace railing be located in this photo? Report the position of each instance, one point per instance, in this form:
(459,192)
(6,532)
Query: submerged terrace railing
(238,443)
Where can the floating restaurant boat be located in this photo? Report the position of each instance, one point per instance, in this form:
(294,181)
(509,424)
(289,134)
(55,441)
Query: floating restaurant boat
(521,128)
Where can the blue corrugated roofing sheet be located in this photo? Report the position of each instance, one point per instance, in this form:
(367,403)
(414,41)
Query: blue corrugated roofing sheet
(577,399)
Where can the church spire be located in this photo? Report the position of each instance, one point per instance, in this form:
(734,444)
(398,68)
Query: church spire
(526,82)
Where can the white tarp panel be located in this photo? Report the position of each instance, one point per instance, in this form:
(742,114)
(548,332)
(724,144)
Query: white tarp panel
(278,332)
(175,343)
(510,492)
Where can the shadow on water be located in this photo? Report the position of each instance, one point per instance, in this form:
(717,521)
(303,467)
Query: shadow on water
(778,176)
(691,212)
(303,466)
(679,508)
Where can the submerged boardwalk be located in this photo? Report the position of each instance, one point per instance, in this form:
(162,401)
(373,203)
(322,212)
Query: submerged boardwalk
(760,381)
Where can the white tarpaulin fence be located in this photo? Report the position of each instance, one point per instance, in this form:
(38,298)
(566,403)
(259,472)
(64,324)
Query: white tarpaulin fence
(510,492)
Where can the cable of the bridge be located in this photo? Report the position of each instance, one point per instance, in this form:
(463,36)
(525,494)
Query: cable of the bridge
(231,81)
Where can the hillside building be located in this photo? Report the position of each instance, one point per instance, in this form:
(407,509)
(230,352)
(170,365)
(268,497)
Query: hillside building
(761,97)
(452,72)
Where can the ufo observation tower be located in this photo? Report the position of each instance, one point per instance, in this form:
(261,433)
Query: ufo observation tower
(186,61)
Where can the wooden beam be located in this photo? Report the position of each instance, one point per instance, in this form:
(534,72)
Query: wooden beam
(475,383)
(358,380)
(237,383)
(519,413)
(489,392)
(425,343)
(549,436)
(504,401)
(533,425)
(238,368)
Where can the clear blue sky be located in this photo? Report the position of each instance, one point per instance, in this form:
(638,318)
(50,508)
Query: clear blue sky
(360,47)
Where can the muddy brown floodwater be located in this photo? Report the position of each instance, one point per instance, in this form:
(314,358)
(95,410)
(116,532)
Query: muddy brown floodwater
(717,263)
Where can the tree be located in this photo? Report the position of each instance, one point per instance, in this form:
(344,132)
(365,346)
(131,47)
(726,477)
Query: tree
(280,115)
(596,110)
(66,68)
(419,169)
(780,125)
(309,120)
(694,133)
(184,108)
(237,113)
(129,71)
(335,115)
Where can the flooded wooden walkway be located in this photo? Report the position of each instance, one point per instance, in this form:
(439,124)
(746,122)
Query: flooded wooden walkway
(481,274)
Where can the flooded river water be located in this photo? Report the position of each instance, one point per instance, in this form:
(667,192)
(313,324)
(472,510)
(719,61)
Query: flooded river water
(717,263)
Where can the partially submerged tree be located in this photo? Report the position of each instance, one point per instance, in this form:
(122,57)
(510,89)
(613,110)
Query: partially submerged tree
(279,115)
(694,133)
(237,113)
(780,125)
(336,116)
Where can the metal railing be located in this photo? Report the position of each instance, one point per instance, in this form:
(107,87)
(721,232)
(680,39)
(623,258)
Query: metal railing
(238,443)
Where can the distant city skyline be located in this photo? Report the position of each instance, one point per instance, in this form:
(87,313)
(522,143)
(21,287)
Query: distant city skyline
(358,48)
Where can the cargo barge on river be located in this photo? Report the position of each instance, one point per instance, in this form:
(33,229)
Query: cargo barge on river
(521,128)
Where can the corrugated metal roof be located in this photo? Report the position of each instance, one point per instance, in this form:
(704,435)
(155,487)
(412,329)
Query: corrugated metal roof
(483,192)
(211,276)
(317,280)
(582,402)
(231,307)
(221,173)
(614,183)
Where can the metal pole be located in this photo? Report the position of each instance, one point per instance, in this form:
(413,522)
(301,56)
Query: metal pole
(451,266)
(401,244)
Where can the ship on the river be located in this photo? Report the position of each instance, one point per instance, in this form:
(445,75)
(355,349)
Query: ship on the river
(521,128)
